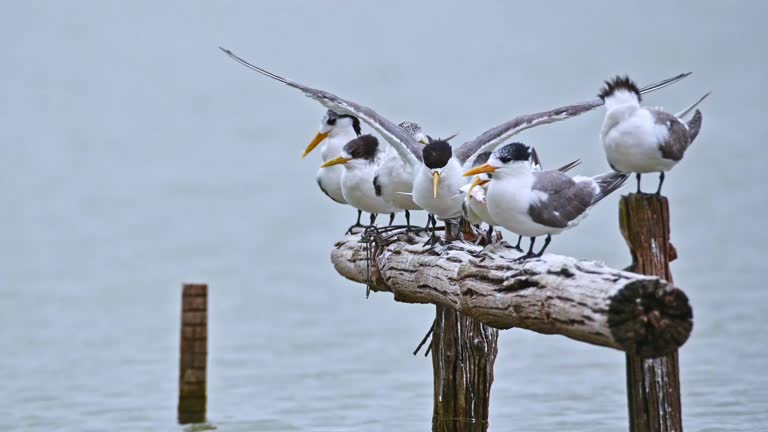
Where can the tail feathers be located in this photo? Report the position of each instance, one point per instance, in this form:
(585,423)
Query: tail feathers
(694,126)
(690,108)
(569,166)
(608,183)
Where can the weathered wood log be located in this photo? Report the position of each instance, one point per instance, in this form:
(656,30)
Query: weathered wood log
(653,384)
(582,300)
(194,353)
(463,354)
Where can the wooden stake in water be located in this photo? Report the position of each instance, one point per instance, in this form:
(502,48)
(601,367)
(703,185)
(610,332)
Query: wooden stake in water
(194,353)
(653,384)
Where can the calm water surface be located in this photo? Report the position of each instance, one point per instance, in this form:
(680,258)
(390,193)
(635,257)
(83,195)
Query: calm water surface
(134,156)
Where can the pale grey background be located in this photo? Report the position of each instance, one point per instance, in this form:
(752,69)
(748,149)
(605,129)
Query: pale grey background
(135,156)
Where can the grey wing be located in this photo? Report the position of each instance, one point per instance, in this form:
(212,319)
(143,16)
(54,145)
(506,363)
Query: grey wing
(490,139)
(408,149)
(678,139)
(565,199)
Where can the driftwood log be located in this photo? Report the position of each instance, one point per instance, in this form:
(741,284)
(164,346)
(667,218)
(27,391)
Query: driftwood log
(583,300)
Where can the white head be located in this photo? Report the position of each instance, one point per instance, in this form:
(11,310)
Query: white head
(620,91)
(358,153)
(511,159)
(334,125)
(415,131)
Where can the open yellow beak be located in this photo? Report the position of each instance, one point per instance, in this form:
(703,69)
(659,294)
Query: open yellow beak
(477,182)
(435,183)
(317,140)
(337,161)
(484,168)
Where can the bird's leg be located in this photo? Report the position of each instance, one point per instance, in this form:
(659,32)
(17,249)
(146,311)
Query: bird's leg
(637,176)
(530,253)
(373,218)
(433,238)
(546,243)
(391,218)
(517,246)
(357,224)
(429,221)
(489,234)
(408,221)
(661,181)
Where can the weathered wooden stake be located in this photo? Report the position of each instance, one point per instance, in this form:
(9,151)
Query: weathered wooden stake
(653,384)
(194,352)
(463,354)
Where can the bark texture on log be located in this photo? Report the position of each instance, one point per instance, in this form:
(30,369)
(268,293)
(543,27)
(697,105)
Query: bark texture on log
(582,300)
(653,384)
(463,354)
(194,353)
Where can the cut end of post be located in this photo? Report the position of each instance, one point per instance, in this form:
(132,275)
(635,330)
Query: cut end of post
(649,318)
(194,353)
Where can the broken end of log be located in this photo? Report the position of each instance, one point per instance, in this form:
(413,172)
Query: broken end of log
(650,318)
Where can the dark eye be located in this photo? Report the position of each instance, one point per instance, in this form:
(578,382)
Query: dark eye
(330,122)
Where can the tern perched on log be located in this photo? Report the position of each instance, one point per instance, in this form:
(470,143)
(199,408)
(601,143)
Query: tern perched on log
(535,203)
(443,161)
(393,179)
(643,140)
(360,158)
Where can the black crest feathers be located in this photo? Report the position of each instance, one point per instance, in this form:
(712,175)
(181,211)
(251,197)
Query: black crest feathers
(619,83)
(437,153)
(514,152)
(363,147)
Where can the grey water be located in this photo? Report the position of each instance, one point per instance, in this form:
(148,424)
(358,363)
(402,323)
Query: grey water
(134,156)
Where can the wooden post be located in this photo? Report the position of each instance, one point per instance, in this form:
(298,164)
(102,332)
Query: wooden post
(653,384)
(463,354)
(194,352)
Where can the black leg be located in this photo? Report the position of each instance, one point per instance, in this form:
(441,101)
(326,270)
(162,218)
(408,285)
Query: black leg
(530,253)
(373,218)
(637,176)
(546,243)
(357,224)
(408,220)
(433,238)
(517,246)
(489,233)
(429,221)
(661,182)
(391,218)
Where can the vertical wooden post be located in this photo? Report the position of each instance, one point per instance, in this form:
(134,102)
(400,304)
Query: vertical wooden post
(194,353)
(653,385)
(463,354)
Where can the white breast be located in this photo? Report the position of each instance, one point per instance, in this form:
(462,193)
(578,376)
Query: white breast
(631,141)
(448,201)
(396,180)
(357,187)
(508,201)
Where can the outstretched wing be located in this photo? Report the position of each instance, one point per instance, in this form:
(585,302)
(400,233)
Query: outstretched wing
(408,149)
(490,139)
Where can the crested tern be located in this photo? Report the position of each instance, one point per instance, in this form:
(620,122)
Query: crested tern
(360,159)
(393,179)
(535,203)
(643,140)
(436,159)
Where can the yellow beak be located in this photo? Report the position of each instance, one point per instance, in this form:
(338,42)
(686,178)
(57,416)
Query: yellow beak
(435,183)
(477,182)
(484,168)
(337,161)
(317,140)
